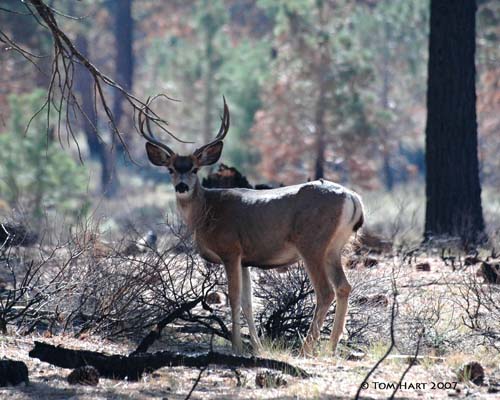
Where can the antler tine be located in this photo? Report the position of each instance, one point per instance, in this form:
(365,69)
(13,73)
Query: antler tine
(224,128)
(144,120)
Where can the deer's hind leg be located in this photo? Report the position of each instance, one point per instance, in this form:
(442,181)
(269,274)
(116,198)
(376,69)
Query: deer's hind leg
(342,290)
(315,266)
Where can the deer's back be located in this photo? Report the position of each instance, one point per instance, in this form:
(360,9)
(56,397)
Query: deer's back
(268,226)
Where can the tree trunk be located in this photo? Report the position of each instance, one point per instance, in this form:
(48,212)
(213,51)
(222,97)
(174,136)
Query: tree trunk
(124,62)
(97,148)
(384,102)
(453,190)
(319,122)
(208,95)
(323,77)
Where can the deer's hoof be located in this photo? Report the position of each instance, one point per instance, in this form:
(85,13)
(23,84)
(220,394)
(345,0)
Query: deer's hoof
(306,351)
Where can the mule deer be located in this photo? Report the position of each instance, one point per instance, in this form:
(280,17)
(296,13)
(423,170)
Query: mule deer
(266,229)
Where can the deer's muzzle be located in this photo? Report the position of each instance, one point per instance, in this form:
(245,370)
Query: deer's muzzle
(181,187)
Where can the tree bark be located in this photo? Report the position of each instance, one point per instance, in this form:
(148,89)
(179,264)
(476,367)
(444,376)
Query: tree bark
(124,62)
(319,122)
(97,148)
(323,78)
(384,102)
(211,30)
(453,206)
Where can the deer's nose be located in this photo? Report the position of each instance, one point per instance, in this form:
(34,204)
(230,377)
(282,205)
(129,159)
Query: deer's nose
(181,187)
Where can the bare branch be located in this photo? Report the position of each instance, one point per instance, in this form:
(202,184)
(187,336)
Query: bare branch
(60,92)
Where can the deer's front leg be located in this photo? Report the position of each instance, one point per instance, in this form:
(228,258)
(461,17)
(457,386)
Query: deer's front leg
(233,272)
(246,303)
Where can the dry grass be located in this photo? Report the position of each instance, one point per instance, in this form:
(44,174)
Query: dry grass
(426,299)
(334,377)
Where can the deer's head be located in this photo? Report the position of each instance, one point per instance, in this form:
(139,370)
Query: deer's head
(183,169)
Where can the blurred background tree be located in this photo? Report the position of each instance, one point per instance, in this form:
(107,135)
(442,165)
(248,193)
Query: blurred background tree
(316,88)
(453,189)
(37,176)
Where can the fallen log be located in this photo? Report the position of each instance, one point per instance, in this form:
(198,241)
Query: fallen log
(132,367)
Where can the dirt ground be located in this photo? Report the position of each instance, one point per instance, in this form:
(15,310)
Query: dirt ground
(332,378)
(434,377)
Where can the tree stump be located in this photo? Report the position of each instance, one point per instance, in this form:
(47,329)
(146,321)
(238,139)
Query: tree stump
(13,373)
(473,372)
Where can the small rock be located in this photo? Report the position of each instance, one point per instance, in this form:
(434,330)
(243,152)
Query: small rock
(424,267)
(490,271)
(472,371)
(471,260)
(269,379)
(370,262)
(86,375)
(380,300)
(375,243)
(13,372)
(214,298)
(143,245)
(376,300)
(241,379)
(356,356)
(494,389)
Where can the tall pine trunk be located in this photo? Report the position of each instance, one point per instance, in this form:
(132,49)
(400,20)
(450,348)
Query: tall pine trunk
(97,148)
(124,62)
(208,94)
(453,190)
(322,70)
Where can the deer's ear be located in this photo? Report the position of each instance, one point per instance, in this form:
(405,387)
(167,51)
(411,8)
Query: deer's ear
(210,155)
(157,156)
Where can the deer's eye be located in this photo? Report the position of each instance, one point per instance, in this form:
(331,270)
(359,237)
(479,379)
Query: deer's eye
(170,170)
(194,170)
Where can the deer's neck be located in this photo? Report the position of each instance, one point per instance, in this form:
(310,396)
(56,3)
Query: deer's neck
(193,208)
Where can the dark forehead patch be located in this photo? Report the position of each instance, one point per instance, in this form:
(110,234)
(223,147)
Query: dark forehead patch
(183,164)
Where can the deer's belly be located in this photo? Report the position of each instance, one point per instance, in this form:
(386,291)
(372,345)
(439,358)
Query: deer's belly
(276,259)
(261,257)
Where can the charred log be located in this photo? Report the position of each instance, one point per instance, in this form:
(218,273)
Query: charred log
(132,367)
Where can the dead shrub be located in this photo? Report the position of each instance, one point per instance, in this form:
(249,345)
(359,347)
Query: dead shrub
(89,286)
(287,306)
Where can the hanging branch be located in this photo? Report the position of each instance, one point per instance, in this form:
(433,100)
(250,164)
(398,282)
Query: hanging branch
(60,93)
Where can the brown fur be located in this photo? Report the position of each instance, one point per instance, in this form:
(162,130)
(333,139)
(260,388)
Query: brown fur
(268,228)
